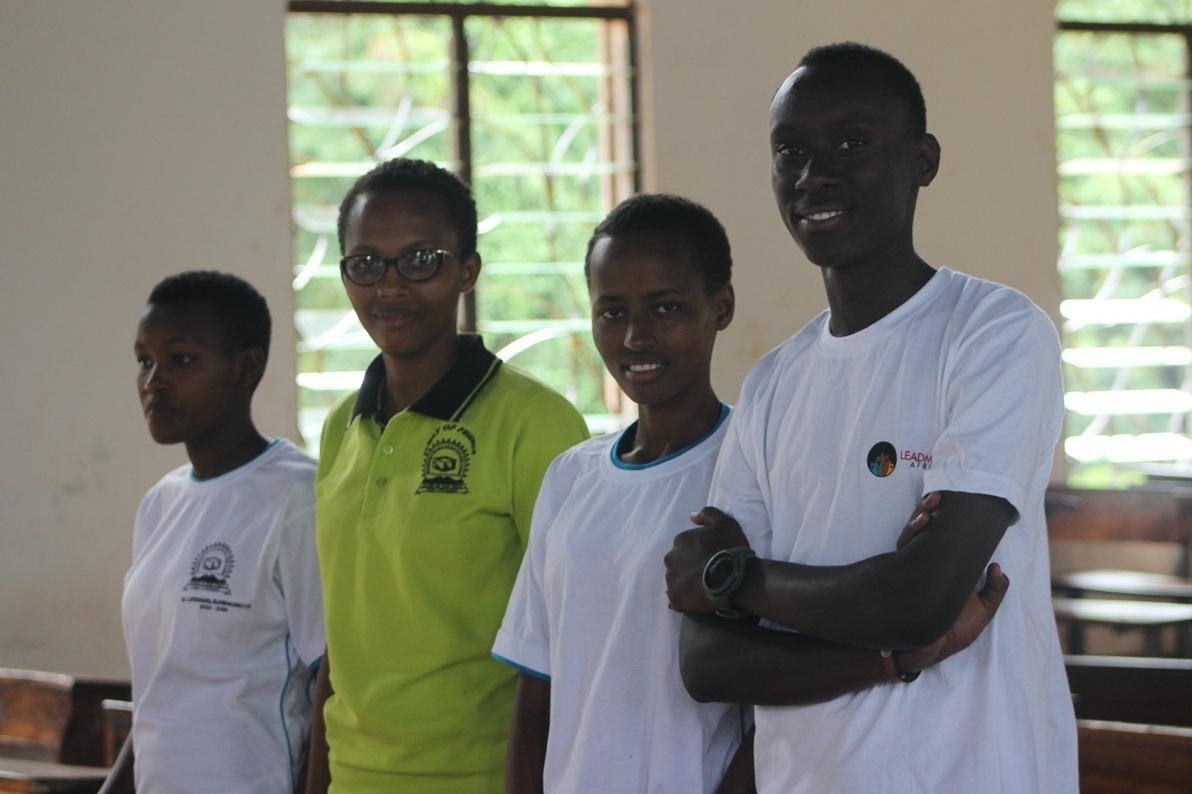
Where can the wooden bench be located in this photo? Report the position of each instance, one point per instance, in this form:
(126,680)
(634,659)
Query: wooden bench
(45,777)
(1117,757)
(1151,514)
(1131,689)
(117,725)
(52,731)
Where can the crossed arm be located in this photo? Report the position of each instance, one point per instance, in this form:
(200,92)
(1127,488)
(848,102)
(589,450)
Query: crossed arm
(918,600)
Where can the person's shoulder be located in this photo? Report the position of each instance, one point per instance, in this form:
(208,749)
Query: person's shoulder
(773,363)
(341,410)
(585,455)
(521,391)
(983,307)
(972,293)
(335,425)
(169,485)
(285,462)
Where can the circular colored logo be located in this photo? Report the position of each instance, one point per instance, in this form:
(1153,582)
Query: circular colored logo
(882,458)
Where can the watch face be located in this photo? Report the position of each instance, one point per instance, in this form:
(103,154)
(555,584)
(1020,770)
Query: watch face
(719,571)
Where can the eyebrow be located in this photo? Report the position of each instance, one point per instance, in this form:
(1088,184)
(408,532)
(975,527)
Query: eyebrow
(649,295)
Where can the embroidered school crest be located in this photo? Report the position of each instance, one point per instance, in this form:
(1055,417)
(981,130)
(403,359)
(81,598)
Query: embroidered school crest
(211,569)
(446,460)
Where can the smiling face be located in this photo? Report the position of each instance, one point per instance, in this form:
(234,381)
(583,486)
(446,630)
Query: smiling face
(190,387)
(407,320)
(653,321)
(845,166)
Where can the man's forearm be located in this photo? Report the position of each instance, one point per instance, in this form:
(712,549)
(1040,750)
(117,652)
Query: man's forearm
(901,599)
(739,662)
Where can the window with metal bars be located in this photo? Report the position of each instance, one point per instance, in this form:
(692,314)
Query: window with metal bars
(1124,145)
(533,105)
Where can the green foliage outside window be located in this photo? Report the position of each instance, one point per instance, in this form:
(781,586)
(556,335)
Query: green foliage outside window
(551,153)
(1123,146)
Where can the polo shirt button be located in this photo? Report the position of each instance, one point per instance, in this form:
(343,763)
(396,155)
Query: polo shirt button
(388,449)
(382,482)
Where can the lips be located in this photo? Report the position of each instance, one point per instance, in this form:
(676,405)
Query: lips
(820,217)
(155,408)
(394,316)
(642,368)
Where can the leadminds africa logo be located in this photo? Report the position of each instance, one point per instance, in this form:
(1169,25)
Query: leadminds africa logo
(882,459)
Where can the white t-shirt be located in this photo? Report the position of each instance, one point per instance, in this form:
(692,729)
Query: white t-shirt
(223,618)
(834,442)
(589,613)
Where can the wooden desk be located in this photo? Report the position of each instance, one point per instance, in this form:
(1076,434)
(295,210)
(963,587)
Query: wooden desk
(1125,583)
(1149,616)
(45,777)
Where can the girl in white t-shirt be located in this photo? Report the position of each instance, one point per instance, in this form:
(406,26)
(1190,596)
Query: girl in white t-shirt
(587,624)
(222,606)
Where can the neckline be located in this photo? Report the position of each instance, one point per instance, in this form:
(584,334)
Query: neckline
(625,435)
(204,480)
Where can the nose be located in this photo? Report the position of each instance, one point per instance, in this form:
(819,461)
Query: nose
(639,334)
(391,282)
(153,379)
(815,175)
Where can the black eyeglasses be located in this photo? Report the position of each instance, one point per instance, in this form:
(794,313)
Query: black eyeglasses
(369,269)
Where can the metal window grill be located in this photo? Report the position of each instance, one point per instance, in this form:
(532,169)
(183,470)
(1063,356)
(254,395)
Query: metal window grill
(1123,142)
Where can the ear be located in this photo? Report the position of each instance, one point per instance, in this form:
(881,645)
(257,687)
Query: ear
(250,367)
(725,301)
(928,160)
(469,272)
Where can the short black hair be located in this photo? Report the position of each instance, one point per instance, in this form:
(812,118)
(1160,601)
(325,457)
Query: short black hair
(238,311)
(664,212)
(405,174)
(853,54)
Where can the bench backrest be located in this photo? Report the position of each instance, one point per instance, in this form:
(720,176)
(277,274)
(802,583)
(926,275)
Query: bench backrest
(1131,689)
(1141,759)
(1158,515)
(34,711)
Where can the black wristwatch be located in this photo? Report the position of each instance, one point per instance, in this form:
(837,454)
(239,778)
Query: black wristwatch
(724,574)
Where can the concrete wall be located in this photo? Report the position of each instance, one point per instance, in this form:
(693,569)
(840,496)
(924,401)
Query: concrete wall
(141,138)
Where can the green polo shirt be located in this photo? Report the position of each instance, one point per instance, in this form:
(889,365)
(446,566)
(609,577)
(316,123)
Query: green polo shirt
(421,528)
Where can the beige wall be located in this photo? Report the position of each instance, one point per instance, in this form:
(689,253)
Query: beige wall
(138,138)
(144,137)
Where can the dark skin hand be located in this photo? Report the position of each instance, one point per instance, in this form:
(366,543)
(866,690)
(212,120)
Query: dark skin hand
(318,771)
(739,777)
(525,757)
(906,598)
(741,662)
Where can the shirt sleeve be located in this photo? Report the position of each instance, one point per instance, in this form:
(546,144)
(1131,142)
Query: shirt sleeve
(298,574)
(1003,404)
(523,641)
(739,487)
(550,425)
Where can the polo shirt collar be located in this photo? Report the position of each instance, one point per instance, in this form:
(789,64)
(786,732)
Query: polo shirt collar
(448,399)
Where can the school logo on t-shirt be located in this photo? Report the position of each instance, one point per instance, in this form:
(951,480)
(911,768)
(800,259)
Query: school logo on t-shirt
(211,569)
(446,460)
(882,459)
